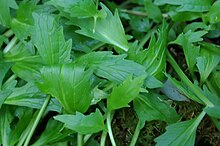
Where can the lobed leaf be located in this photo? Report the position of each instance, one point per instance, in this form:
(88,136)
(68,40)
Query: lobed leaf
(30,96)
(70,84)
(5,17)
(49,40)
(206,63)
(124,93)
(83,124)
(115,68)
(182,133)
(150,107)
(114,35)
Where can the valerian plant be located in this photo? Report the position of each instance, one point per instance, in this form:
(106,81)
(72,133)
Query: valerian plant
(70,68)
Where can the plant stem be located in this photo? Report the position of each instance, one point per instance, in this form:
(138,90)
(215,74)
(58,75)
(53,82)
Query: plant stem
(103,138)
(185,79)
(136,134)
(37,120)
(10,44)
(79,139)
(110,133)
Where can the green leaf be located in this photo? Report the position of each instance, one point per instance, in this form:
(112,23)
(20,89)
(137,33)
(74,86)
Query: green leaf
(28,69)
(24,116)
(83,124)
(140,24)
(84,9)
(184,16)
(5,119)
(190,36)
(153,58)
(172,91)
(191,51)
(21,25)
(211,96)
(151,107)
(70,84)
(213,111)
(215,81)
(30,96)
(182,133)
(3,95)
(152,10)
(115,68)
(124,93)
(21,30)
(5,16)
(20,52)
(193,27)
(213,16)
(186,5)
(184,89)
(4,69)
(206,63)
(98,95)
(114,35)
(48,37)
(54,132)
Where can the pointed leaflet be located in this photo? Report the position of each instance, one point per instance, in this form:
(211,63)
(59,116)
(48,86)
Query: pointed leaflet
(70,84)
(5,17)
(206,63)
(124,93)
(182,133)
(108,29)
(115,68)
(150,107)
(83,124)
(49,40)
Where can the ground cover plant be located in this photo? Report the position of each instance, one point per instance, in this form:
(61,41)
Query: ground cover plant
(90,72)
